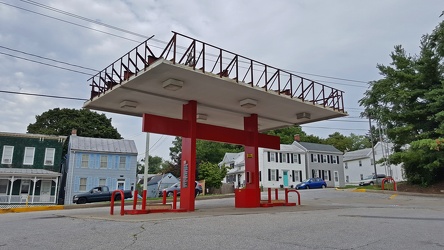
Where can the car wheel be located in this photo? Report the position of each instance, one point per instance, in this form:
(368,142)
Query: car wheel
(371,183)
(81,201)
(323,186)
(170,194)
(117,198)
(308,187)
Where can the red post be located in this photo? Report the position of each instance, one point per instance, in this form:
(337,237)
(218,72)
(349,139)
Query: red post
(135,199)
(269,195)
(164,197)
(276,194)
(175,199)
(144,200)
(286,195)
(188,164)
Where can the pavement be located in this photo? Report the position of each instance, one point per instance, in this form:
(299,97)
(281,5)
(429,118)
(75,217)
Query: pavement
(156,204)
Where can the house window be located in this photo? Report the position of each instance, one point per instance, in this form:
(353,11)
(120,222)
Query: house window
(82,186)
(345,165)
(29,156)
(273,174)
(362,176)
(85,161)
(360,164)
(327,176)
(102,182)
(122,162)
(4,186)
(49,156)
(314,158)
(24,189)
(103,161)
(334,159)
(7,154)
(324,158)
(347,179)
(284,157)
(295,158)
(272,157)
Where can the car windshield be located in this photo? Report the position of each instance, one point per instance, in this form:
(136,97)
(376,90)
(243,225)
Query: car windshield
(368,177)
(307,180)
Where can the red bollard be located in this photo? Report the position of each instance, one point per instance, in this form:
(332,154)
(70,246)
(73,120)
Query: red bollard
(135,199)
(276,196)
(164,197)
(174,199)
(269,195)
(144,200)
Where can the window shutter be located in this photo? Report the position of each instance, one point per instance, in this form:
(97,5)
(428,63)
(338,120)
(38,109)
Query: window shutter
(311,157)
(76,184)
(299,158)
(328,159)
(277,174)
(276,156)
(288,157)
(337,157)
(329,175)
(269,174)
(268,153)
(260,175)
(300,176)
(292,156)
(280,157)
(292,175)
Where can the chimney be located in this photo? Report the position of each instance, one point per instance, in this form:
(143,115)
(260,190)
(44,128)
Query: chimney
(297,138)
(74,131)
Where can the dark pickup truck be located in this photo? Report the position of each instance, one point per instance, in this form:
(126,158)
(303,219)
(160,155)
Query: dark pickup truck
(97,194)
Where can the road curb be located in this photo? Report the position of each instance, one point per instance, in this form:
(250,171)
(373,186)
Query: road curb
(30,209)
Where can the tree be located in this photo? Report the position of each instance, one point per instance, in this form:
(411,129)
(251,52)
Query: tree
(62,121)
(359,142)
(339,141)
(154,165)
(407,101)
(212,174)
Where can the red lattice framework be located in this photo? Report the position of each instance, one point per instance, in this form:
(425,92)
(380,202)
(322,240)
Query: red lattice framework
(210,59)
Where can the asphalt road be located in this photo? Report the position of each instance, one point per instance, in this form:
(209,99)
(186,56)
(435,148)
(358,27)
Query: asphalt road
(327,219)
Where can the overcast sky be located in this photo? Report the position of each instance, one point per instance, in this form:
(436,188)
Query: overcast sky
(321,40)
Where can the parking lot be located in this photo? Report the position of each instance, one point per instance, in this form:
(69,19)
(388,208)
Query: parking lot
(327,219)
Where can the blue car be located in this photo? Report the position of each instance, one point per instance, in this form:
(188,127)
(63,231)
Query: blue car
(312,183)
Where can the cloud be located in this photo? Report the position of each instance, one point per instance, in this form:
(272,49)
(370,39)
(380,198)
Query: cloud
(343,39)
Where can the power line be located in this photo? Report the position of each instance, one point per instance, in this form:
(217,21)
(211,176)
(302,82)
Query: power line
(41,95)
(142,36)
(49,59)
(86,27)
(47,64)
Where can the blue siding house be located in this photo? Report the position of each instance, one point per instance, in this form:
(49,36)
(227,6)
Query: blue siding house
(99,162)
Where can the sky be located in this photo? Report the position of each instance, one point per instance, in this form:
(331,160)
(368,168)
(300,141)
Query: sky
(52,48)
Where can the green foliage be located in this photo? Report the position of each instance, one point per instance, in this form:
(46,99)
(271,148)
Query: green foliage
(154,165)
(62,121)
(408,102)
(212,174)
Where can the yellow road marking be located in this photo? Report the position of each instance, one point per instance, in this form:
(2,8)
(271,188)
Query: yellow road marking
(393,196)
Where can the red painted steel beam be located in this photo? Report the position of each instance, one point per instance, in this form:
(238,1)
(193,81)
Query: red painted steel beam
(177,127)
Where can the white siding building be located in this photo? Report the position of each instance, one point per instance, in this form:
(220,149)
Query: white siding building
(358,164)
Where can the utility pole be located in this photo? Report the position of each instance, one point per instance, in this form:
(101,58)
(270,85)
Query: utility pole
(373,147)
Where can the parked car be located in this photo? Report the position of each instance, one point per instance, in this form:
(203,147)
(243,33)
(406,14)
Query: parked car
(372,180)
(176,186)
(312,183)
(97,194)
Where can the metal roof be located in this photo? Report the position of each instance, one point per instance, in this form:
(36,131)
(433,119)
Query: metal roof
(27,172)
(102,145)
(357,154)
(51,137)
(309,146)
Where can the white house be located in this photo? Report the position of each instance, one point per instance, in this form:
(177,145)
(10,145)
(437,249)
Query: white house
(290,165)
(358,164)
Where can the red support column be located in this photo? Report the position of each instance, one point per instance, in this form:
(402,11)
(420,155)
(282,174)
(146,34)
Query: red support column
(251,195)
(188,164)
